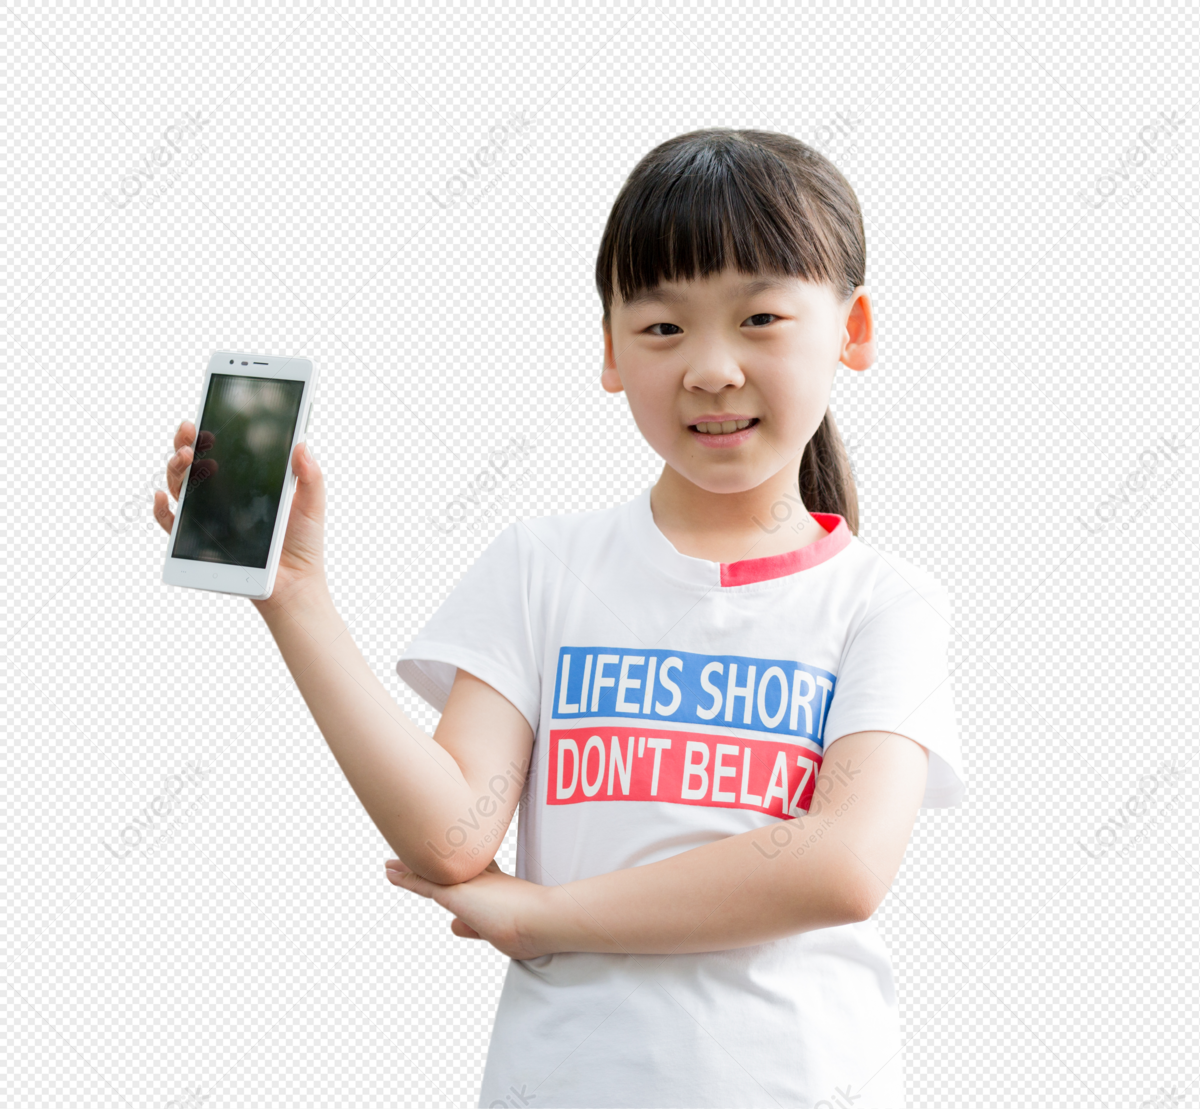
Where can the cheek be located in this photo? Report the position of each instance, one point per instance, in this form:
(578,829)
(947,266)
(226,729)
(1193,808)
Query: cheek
(797,405)
(652,402)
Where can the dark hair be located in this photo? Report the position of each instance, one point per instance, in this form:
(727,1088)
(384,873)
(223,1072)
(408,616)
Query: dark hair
(766,203)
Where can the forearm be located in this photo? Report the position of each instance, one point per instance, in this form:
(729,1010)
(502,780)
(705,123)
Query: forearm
(735,892)
(411,787)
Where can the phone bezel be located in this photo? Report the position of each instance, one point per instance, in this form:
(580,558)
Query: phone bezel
(256,582)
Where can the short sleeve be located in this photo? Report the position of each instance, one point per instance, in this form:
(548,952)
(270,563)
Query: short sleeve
(894,678)
(485,626)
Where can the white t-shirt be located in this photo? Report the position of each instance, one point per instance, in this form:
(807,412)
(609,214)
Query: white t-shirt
(675,701)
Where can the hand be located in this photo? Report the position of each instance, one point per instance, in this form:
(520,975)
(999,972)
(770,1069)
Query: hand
(492,906)
(302,560)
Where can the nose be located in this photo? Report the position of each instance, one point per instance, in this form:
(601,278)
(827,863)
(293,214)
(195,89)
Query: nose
(711,367)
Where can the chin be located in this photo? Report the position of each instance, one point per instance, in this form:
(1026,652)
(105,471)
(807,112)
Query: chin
(723,483)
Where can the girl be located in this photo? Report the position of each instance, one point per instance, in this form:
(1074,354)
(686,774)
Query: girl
(719,708)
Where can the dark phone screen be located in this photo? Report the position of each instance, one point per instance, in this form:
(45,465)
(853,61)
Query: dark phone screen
(242,451)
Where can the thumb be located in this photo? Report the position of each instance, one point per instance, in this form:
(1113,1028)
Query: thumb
(308,473)
(462,928)
(310,485)
(302,460)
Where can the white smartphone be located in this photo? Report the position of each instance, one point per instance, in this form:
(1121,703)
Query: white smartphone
(236,495)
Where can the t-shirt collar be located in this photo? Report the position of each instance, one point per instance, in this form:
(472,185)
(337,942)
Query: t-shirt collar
(656,547)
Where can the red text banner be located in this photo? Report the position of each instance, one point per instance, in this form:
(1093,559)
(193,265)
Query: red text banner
(683,768)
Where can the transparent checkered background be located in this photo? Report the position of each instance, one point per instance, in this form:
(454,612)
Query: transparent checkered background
(1032,230)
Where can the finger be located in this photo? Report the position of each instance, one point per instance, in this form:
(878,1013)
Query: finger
(185,436)
(400,875)
(464,930)
(310,485)
(176,468)
(164,516)
(406,879)
(202,470)
(305,466)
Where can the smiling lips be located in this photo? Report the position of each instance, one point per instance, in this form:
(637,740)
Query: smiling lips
(722,424)
(723,431)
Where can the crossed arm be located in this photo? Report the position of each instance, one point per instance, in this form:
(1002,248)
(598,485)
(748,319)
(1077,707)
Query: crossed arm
(832,866)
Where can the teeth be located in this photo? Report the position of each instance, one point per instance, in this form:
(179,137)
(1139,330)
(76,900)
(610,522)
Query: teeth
(722,428)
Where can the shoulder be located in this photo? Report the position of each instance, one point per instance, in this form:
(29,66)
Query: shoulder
(564,535)
(887,581)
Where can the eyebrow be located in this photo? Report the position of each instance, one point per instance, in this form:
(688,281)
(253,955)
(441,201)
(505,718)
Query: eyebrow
(665,296)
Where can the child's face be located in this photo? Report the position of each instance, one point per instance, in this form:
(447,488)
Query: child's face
(725,348)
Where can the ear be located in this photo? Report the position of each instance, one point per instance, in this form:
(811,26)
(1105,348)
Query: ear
(610,379)
(858,346)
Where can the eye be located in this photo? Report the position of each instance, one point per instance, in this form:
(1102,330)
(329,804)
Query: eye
(678,330)
(764,316)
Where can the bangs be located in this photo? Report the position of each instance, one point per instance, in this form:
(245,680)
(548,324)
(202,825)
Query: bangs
(710,200)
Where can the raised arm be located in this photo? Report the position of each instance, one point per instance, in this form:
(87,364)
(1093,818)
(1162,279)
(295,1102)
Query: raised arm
(442,802)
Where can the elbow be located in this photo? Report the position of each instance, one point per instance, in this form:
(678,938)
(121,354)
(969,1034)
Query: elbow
(861,901)
(449,870)
(435,860)
(434,871)
(456,872)
(432,865)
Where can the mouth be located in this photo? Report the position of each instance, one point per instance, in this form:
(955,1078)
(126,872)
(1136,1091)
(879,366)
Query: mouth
(727,433)
(725,427)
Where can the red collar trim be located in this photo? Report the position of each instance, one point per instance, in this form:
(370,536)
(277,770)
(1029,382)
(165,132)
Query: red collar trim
(781,565)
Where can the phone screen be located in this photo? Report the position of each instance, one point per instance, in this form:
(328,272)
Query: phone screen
(242,452)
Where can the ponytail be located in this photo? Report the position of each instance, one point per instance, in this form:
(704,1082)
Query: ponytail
(826,481)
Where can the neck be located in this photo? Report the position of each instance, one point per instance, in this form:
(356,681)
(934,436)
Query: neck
(727,527)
